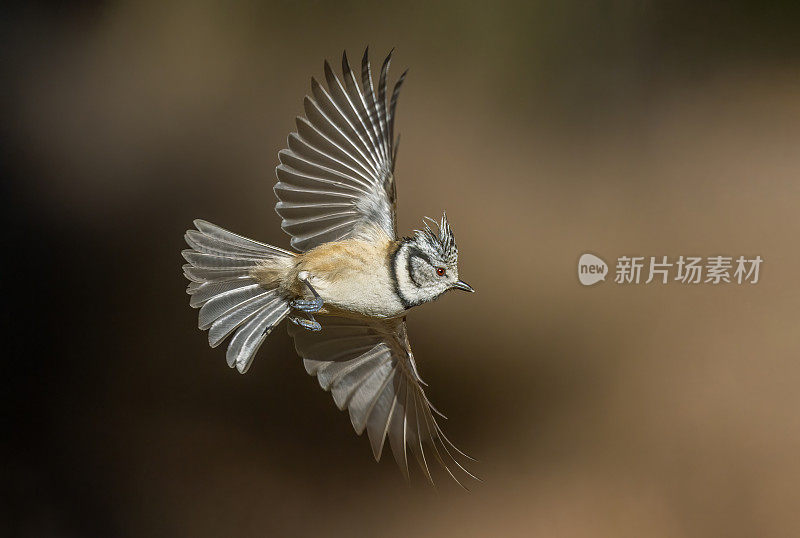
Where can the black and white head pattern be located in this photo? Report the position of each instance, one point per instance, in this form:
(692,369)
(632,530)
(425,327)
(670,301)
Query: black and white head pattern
(426,265)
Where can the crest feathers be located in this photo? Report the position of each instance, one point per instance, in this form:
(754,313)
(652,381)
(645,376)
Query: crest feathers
(440,241)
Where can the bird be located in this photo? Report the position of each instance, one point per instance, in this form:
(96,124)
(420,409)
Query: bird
(346,288)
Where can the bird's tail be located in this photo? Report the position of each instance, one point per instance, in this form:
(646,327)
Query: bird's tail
(221,270)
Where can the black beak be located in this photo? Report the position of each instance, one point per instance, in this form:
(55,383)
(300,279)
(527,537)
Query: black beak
(461,285)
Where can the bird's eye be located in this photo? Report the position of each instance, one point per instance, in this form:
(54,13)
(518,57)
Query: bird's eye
(440,271)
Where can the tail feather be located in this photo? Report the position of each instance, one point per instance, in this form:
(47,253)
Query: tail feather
(204,260)
(230,299)
(199,275)
(213,290)
(224,302)
(251,335)
(222,237)
(227,322)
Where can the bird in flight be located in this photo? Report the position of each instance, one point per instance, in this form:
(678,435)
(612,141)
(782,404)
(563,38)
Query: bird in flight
(347,289)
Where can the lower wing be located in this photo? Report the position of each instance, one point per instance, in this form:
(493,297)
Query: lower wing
(370,370)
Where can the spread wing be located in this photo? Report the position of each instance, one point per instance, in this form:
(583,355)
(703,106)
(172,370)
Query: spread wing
(370,370)
(336,177)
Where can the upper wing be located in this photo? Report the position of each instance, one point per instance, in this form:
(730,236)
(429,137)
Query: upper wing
(337,175)
(370,370)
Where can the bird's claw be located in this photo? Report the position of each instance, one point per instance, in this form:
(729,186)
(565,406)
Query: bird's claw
(307,305)
(307,324)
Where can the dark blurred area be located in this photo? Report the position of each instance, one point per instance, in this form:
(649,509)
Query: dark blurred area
(545,129)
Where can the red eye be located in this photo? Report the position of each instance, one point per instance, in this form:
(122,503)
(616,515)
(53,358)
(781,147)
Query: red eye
(440,271)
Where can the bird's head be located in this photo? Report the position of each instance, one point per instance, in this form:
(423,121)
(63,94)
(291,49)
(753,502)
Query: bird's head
(426,265)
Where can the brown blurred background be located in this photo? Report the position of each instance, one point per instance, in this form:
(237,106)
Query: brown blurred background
(545,129)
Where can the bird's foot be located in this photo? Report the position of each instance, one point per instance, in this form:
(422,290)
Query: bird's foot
(307,305)
(307,324)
